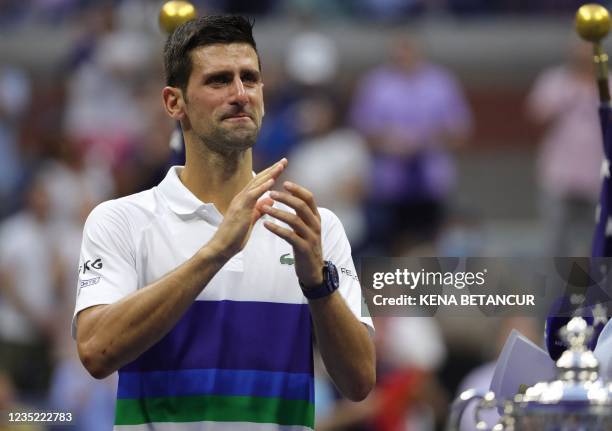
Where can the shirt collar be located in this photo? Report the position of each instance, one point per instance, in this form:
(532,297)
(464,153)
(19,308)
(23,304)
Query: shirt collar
(179,198)
(182,202)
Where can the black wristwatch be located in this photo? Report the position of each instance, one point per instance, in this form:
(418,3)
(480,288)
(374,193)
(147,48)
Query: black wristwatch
(330,284)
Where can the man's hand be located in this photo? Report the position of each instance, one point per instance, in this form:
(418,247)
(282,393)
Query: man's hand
(305,233)
(244,211)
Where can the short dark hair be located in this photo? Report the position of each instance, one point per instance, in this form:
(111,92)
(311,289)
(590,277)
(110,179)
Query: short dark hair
(206,30)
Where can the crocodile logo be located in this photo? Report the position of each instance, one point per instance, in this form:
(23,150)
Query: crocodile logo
(287,259)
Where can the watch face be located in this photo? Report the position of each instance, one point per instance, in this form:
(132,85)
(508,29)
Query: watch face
(333,275)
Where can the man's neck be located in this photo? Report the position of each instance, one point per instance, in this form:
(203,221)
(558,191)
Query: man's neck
(216,178)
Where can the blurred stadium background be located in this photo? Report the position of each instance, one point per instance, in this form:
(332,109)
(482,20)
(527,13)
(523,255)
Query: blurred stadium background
(488,117)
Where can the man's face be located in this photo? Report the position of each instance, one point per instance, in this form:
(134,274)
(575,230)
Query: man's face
(224,96)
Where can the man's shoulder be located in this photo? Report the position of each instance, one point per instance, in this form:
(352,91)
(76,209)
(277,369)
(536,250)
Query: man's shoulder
(330,223)
(328,216)
(134,209)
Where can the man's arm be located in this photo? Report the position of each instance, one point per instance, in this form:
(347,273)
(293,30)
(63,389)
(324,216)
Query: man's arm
(345,346)
(110,336)
(344,342)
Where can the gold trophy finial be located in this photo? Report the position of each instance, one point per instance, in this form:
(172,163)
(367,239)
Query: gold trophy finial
(592,22)
(175,13)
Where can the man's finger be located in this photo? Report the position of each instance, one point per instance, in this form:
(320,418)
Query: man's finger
(288,235)
(271,172)
(301,208)
(255,193)
(302,193)
(292,220)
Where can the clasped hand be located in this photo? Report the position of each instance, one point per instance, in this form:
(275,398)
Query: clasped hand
(304,232)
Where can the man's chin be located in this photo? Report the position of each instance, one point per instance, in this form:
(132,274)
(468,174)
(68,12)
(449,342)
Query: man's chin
(239,141)
(248,136)
(230,140)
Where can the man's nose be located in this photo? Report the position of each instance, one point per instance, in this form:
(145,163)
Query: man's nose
(239,94)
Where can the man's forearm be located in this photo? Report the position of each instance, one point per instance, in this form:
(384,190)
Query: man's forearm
(110,336)
(345,346)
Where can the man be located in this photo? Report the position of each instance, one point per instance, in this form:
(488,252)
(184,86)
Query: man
(28,296)
(412,112)
(203,291)
(563,102)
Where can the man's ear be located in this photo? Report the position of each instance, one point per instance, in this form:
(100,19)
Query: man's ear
(174,102)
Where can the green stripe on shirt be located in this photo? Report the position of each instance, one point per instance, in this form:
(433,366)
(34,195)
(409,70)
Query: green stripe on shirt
(214,408)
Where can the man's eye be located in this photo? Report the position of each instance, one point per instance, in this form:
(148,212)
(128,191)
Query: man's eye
(250,78)
(217,80)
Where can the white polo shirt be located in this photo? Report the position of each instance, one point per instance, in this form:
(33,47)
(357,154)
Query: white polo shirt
(241,356)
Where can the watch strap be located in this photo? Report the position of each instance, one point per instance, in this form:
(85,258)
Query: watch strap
(329,285)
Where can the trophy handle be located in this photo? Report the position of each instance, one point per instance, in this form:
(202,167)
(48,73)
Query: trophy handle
(486,401)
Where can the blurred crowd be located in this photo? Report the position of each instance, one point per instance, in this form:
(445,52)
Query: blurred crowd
(379,152)
(13,12)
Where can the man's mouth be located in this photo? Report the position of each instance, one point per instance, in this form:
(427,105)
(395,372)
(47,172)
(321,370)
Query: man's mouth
(241,116)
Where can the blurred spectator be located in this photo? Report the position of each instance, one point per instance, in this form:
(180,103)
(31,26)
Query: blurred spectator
(408,395)
(91,402)
(94,23)
(564,101)
(412,112)
(147,163)
(312,58)
(102,107)
(74,187)
(279,132)
(318,9)
(463,235)
(29,280)
(14,100)
(391,10)
(409,350)
(10,403)
(311,64)
(333,162)
(74,184)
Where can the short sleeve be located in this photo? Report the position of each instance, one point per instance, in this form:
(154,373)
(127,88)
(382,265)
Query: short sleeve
(336,248)
(107,263)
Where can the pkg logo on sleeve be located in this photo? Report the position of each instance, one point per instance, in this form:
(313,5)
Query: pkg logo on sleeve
(90,264)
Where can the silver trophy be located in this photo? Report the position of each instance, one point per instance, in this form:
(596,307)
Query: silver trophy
(578,400)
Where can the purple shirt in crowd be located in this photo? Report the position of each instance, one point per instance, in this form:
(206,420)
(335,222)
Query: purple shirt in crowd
(409,112)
